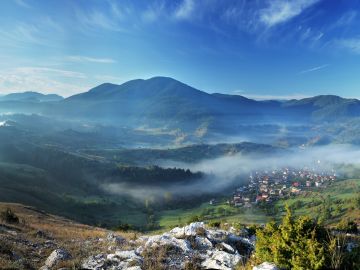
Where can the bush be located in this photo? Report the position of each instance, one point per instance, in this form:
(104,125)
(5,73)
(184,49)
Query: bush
(123,227)
(347,226)
(294,244)
(215,224)
(194,219)
(9,216)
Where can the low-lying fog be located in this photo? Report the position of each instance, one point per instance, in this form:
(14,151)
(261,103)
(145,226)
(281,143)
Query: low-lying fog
(230,171)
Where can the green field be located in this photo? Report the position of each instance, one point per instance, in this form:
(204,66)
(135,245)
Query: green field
(206,212)
(337,200)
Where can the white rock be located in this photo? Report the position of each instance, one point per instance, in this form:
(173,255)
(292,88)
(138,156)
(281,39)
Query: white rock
(139,250)
(133,268)
(117,240)
(266,266)
(191,229)
(217,235)
(127,255)
(235,238)
(203,243)
(56,256)
(227,248)
(167,239)
(96,262)
(221,260)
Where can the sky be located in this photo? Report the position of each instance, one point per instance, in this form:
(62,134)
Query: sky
(263,49)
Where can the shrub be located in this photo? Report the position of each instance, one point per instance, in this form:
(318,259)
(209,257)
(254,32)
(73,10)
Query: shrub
(294,244)
(347,226)
(215,224)
(9,216)
(194,219)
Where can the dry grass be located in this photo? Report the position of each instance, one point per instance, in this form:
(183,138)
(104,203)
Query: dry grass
(39,228)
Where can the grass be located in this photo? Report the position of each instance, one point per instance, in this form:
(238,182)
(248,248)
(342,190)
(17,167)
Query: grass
(64,233)
(339,193)
(339,197)
(171,218)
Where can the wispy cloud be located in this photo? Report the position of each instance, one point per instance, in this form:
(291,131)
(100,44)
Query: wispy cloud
(185,9)
(80,58)
(99,20)
(44,32)
(22,3)
(50,71)
(351,44)
(280,11)
(346,19)
(313,69)
(21,33)
(42,79)
(275,97)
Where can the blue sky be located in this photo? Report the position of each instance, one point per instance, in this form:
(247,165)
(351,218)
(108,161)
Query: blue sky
(256,48)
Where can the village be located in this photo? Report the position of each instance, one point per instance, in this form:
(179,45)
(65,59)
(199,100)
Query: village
(269,186)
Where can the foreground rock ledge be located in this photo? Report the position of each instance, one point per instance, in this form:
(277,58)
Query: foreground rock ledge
(193,244)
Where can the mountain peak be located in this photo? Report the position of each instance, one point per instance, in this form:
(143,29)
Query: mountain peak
(30,96)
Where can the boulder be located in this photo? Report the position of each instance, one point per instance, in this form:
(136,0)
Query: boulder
(167,239)
(133,268)
(266,266)
(56,256)
(203,243)
(220,260)
(192,229)
(217,236)
(212,248)
(119,260)
(96,262)
(115,239)
(227,248)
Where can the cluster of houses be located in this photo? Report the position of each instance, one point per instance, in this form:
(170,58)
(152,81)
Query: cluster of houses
(268,186)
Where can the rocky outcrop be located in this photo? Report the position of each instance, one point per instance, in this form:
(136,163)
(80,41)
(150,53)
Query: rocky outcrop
(56,256)
(266,266)
(193,245)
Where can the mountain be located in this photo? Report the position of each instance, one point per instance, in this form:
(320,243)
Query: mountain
(327,107)
(31,96)
(163,101)
(166,102)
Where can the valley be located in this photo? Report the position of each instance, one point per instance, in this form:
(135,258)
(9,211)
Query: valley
(145,172)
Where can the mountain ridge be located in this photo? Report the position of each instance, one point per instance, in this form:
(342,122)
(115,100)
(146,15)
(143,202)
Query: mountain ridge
(164,101)
(31,96)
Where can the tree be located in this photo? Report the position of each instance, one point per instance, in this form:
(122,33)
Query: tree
(294,244)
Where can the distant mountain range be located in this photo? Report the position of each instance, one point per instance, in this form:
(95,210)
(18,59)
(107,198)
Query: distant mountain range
(162,101)
(31,96)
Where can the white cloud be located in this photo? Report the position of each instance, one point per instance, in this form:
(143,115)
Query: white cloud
(313,69)
(185,9)
(351,44)
(346,19)
(42,79)
(50,71)
(44,32)
(280,11)
(79,58)
(21,33)
(98,19)
(22,3)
